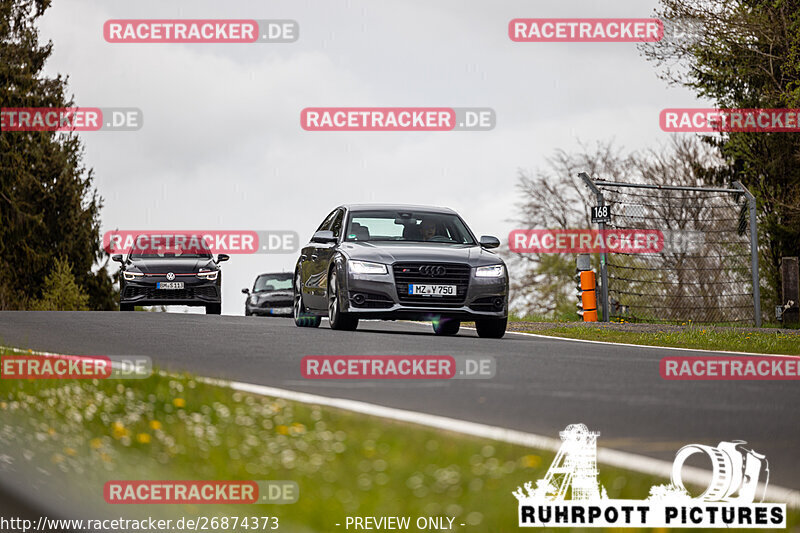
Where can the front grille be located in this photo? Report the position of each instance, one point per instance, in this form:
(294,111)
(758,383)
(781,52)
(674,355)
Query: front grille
(151,293)
(484,304)
(278,303)
(455,274)
(368,300)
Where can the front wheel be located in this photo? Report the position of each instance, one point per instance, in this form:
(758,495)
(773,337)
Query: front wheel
(336,317)
(491,328)
(213,309)
(446,326)
(126,307)
(302,318)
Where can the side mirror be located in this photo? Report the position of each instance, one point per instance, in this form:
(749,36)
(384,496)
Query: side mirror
(487,241)
(245,291)
(222,257)
(323,237)
(117,258)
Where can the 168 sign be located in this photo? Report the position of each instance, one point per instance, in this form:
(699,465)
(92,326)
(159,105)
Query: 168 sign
(601,213)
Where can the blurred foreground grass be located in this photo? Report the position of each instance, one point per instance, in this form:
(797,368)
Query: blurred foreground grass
(176,427)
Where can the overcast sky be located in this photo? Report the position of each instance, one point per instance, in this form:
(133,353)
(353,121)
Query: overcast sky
(222,146)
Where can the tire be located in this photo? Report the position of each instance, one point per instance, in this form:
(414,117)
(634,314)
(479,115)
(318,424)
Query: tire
(446,326)
(338,319)
(214,309)
(126,307)
(302,318)
(491,328)
(248,313)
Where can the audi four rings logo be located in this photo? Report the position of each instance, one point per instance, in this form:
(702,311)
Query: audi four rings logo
(432,270)
(170,276)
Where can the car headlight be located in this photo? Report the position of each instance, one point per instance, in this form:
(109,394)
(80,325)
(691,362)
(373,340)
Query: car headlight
(210,275)
(492,271)
(365,267)
(130,276)
(254,299)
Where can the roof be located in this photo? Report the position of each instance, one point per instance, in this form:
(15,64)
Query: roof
(397,207)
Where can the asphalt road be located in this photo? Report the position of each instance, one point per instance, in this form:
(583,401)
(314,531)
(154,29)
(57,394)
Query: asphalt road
(541,385)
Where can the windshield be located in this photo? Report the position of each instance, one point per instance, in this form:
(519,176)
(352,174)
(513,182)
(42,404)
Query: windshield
(407,226)
(178,246)
(273,282)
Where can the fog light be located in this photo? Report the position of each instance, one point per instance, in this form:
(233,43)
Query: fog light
(498,303)
(359,299)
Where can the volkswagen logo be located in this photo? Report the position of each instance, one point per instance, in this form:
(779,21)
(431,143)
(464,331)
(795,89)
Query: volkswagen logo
(170,276)
(432,270)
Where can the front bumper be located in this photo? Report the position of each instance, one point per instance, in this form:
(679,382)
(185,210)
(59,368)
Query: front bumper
(379,296)
(195,292)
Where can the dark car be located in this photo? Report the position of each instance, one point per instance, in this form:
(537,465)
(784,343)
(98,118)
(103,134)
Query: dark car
(154,274)
(400,262)
(271,295)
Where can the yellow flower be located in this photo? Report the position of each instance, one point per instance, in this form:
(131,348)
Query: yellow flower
(179,402)
(531,461)
(143,438)
(155,425)
(57,458)
(51,431)
(118,430)
(105,457)
(95,443)
(70,451)
(3,405)
(283,430)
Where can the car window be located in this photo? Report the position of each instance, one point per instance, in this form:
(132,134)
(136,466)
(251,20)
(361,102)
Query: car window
(273,282)
(417,226)
(326,224)
(336,226)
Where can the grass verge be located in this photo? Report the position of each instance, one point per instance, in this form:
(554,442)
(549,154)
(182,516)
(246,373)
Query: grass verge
(690,337)
(79,434)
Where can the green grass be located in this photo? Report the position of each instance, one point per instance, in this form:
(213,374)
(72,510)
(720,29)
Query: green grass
(692,337)
(75,435)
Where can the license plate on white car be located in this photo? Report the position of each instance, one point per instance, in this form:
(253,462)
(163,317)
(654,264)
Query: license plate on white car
(431,290)
(169,285)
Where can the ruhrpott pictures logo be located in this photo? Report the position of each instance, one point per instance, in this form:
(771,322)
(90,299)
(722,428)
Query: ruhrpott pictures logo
(733,498)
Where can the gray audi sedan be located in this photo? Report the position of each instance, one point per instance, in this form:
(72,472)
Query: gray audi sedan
(400,262)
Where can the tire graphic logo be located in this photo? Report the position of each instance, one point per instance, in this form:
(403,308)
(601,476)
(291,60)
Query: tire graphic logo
(432,270)
(170,276)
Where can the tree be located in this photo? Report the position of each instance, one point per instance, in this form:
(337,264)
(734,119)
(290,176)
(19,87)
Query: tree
(555,198)
(61,293)
(744,54)
(49,207)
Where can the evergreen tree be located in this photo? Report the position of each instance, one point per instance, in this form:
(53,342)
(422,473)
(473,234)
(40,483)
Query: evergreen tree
(49,207)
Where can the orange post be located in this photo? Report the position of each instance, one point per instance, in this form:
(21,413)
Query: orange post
(588,296)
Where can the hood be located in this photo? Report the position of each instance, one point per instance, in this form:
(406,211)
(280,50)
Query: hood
(391,252)
(175,265)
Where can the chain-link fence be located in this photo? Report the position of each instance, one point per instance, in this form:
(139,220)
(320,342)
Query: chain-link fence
(707,270)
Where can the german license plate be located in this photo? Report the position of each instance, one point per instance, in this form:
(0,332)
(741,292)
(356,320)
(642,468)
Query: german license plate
(169,285)
(431,290)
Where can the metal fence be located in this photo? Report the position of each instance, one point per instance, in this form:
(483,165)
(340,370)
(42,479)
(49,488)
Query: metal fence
(707,270)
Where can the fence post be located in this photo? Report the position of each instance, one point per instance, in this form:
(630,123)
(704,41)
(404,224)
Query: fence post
(753,252)
(603,257)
